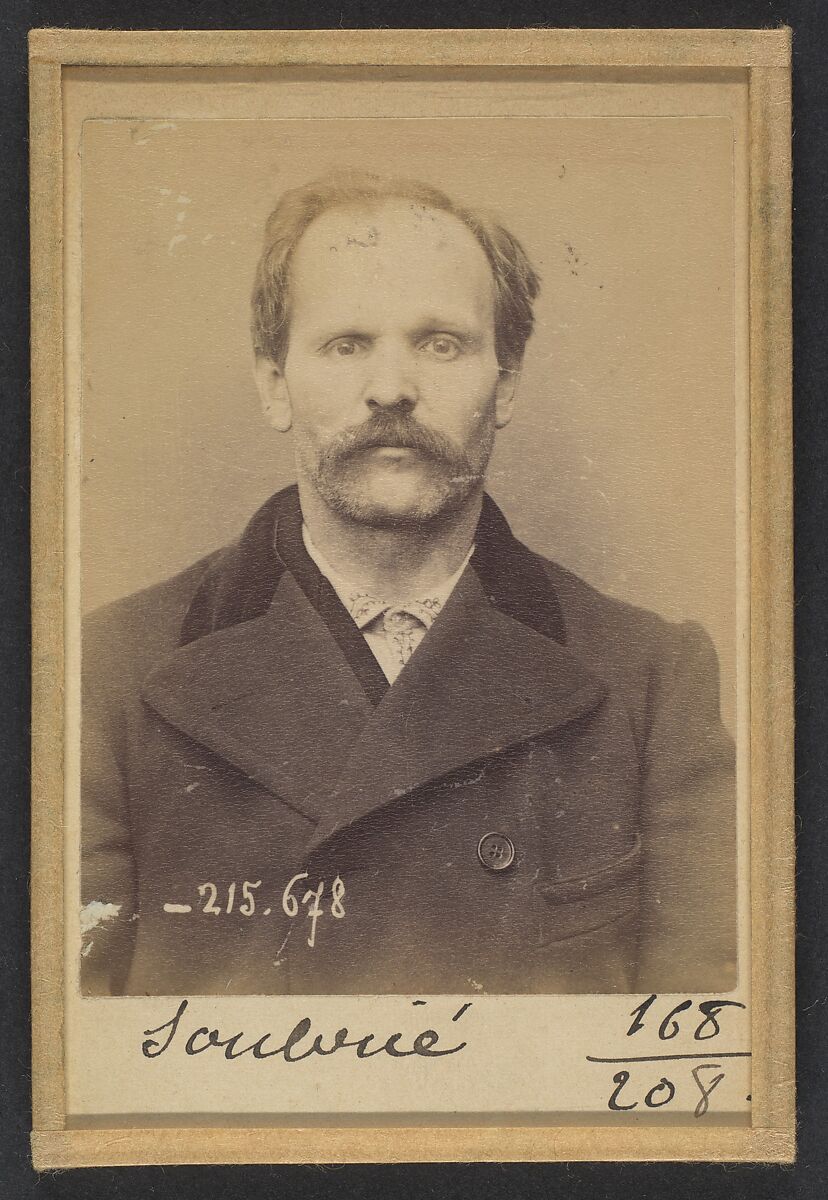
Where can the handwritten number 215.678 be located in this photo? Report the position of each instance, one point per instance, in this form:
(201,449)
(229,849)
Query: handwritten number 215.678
(291,902)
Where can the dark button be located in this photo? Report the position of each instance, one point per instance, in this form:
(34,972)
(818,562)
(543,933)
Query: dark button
(496,851)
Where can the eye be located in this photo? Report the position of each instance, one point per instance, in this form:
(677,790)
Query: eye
(344,347)
(442,346)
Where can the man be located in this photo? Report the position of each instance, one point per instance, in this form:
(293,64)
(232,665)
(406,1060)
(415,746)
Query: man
(378,745)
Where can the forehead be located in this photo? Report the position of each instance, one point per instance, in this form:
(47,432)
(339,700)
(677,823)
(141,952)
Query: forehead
(398,253)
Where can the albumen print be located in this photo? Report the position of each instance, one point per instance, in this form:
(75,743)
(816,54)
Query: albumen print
(409,648)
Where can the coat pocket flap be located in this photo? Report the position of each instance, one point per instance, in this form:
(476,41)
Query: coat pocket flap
(593,883)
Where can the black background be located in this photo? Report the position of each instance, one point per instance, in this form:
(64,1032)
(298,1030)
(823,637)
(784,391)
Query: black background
(809,1178)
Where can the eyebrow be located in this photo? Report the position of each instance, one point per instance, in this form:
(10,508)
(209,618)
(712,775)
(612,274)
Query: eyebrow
(423,328)
(440,325)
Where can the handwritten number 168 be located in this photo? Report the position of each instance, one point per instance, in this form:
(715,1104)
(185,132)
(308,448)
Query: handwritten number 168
(669,1028)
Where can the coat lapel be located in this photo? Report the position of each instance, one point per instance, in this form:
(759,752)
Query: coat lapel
(273,695)
(480,681)
(263,680)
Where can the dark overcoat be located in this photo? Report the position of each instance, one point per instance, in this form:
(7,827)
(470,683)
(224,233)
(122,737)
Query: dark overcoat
(542,802)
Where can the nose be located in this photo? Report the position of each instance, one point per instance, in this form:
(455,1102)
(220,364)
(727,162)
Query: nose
(392,380)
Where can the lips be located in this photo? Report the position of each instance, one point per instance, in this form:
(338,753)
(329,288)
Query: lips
(412,444)
(393,442)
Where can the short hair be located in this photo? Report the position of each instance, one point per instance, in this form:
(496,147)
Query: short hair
(515,280)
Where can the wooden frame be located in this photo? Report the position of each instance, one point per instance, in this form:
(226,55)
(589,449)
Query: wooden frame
(765,56)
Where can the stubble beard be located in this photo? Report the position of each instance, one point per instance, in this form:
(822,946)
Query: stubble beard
(340,472)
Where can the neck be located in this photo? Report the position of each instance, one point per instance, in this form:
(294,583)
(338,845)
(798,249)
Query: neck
(396,562)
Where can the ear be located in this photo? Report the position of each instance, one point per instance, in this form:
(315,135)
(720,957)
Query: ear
(273,393)
(505,396)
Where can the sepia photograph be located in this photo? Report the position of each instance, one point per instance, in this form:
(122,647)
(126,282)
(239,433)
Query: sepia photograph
(377,741)
(421,751)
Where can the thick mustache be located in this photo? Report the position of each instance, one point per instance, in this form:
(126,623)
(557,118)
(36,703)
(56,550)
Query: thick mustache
(402,432)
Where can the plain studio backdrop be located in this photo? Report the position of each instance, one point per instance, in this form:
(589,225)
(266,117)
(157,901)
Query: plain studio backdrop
(620,461)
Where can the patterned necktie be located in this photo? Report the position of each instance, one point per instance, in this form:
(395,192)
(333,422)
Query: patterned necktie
(404,625)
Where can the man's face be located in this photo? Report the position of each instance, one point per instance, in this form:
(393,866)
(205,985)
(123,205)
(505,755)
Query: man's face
(390,380)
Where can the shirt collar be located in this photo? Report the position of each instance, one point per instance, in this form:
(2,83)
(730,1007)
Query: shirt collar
(238,583)
(364,605)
